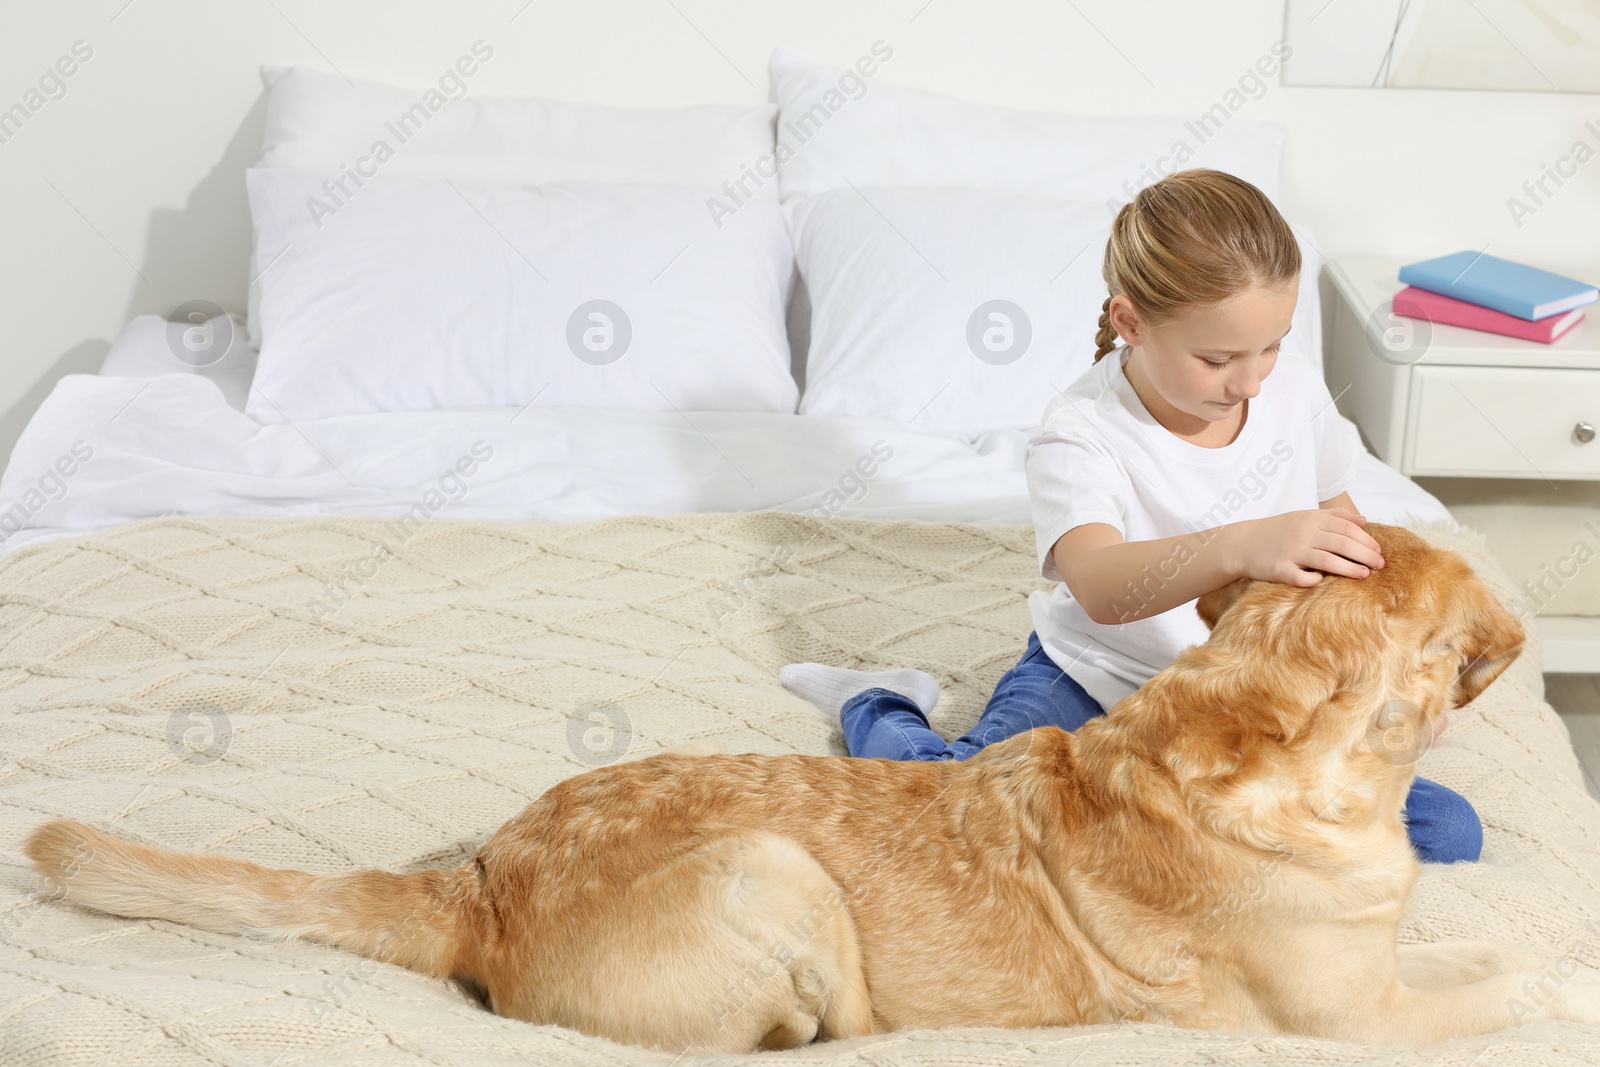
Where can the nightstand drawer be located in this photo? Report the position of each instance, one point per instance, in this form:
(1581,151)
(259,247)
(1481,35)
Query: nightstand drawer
(1513,422)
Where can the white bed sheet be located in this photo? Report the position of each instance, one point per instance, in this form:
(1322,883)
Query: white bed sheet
(178,443)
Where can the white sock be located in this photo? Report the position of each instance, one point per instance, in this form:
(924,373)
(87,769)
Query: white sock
(829,687)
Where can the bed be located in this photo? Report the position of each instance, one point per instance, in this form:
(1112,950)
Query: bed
(367,639)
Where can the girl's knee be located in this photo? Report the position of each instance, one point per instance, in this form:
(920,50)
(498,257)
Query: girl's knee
(1443,825)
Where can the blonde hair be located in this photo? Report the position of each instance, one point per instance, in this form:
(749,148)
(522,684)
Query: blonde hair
(1196,237)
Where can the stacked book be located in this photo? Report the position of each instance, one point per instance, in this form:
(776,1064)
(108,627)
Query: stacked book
(1483,292)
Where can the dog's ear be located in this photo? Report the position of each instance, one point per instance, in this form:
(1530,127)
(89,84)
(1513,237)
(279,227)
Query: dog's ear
(1490,641)
(1212,605)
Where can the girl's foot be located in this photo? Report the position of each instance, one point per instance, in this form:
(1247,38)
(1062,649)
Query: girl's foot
(829,687)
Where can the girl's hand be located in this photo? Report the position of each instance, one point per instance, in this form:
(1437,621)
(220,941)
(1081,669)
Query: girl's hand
(1298,547)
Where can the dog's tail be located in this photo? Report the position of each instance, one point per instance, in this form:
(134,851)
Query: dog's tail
(422,921)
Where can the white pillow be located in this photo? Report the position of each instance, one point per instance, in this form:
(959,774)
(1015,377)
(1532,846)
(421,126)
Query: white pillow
(1305,329)
(862,132)
(420,294)
(905,287)
(319,122)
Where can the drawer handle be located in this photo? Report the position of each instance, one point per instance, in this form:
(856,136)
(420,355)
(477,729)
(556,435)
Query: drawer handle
(1583,433)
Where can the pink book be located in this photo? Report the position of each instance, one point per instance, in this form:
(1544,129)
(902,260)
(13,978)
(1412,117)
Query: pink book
(1416,303)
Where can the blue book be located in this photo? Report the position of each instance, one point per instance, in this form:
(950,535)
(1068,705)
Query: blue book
(1491,282)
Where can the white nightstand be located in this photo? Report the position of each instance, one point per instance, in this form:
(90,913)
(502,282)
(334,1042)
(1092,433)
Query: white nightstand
(1444,401)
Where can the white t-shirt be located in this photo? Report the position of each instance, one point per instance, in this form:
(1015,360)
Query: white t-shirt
(1100,456)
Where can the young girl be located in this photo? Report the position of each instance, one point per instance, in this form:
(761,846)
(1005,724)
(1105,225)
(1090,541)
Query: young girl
(1168,469)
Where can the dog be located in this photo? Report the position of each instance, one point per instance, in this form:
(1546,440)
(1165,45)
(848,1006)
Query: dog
(1223,849)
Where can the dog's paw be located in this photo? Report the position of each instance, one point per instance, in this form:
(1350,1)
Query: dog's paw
(1576,998)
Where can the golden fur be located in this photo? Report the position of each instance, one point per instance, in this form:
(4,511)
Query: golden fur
(1224,848)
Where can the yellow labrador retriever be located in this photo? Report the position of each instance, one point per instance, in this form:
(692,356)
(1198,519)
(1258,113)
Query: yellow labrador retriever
(1224,848)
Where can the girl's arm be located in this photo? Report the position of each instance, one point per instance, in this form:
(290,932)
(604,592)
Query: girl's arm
(1341,501)
(1121,581)
(1117,581)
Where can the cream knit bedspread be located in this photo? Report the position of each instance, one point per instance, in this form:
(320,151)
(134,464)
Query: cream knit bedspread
(333,694)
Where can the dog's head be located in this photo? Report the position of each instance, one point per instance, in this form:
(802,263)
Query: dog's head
(1319,700)
(1425,616)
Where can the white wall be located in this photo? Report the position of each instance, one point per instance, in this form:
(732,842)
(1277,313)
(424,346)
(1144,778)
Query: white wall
(146,150)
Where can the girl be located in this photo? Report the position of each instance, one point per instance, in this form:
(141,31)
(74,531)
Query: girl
(1165,471)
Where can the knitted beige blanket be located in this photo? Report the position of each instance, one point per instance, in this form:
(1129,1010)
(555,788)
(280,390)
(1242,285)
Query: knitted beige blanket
(330,694)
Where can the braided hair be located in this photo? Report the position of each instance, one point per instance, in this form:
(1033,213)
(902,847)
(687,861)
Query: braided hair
(1196,237)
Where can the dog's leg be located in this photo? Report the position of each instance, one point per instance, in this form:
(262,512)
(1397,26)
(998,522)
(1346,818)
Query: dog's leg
(1411,1017)
(1343,982)
(743,944)
(1406,1017)
(1403,1016)
(1442,964)
(793,902)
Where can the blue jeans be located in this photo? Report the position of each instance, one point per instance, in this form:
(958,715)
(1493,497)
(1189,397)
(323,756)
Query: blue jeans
(879,724)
